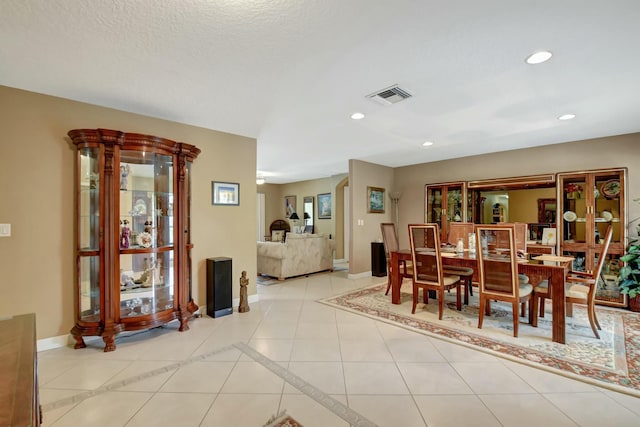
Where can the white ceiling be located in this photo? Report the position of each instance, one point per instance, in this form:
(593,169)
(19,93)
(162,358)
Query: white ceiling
(291,72)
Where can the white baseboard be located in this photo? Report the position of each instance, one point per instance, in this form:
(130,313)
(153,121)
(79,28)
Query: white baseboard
(359,275)
(60,341)
(67,340)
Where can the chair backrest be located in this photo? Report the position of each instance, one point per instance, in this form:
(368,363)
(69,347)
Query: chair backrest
(498,268)
(424,240)
(389,238)
(521,233)
(460,230)
(603,254)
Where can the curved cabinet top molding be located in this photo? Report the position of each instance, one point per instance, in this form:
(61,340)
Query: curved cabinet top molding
(128,140)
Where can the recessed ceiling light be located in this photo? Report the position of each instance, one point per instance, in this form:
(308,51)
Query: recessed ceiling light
(357,116)
(427,144)
(539,57)
(566,117)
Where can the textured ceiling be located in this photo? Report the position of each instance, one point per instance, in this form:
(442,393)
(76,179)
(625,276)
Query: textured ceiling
(291,72)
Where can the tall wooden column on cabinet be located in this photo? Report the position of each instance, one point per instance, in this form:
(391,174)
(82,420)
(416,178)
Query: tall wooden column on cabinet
(446,203)
(589,202)
(133,233)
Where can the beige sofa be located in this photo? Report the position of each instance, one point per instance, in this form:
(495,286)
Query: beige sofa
(299,254)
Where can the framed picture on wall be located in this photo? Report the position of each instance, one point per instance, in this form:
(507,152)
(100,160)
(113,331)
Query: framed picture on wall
(289,205)
(375,200)
(324,206)
(225,193)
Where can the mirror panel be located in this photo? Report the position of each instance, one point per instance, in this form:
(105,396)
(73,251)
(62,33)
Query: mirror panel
(307,210)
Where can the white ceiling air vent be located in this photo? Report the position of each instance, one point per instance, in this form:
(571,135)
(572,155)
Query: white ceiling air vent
(390,95)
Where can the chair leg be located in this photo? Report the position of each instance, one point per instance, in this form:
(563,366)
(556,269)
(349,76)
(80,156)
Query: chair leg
(516,319)
(415,299)
(459,295)
(440,303)
(533,311)
(481,312)
(541,307)
(389,273)
(592,321)
(468,289)
(596,319)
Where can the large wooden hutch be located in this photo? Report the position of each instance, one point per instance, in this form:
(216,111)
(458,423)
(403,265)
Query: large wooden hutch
(133,233)
(585,204)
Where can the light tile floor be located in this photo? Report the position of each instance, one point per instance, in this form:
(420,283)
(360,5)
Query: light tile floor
(388,375)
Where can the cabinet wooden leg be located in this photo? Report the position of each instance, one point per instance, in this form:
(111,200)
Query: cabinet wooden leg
(79,342)
(184,323)
(109,343)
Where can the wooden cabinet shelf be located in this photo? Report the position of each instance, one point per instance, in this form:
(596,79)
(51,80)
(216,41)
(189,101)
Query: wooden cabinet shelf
(132,210)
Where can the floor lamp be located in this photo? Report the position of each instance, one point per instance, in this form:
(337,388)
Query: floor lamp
(395,197)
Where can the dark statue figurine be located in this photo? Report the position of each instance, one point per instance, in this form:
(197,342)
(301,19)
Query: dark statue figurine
(244,304)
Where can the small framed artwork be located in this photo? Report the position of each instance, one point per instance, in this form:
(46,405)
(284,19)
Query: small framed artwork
(549,236)
(375,200)
(324,206)
(289,205)
(225,193)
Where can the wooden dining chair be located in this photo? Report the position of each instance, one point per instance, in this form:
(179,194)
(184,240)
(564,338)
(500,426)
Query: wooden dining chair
(390,243)
(498,271)
(580,288)
(428,273)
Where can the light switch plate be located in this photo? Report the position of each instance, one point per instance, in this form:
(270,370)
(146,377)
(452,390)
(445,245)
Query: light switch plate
(5,230)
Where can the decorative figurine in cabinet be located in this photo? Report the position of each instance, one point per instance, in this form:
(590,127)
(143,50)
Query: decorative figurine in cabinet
(133,233)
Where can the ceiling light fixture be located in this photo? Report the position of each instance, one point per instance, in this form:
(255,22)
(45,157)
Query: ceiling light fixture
(260,180)
(539,57)
(357,116)
(567,117)
(427,144)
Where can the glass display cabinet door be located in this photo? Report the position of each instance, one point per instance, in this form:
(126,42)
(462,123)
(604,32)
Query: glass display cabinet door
(146,234)
(88,234)
(590,203)
(575,214)
(446,203)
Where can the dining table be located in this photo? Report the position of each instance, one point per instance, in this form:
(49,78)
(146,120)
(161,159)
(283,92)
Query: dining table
(544,267)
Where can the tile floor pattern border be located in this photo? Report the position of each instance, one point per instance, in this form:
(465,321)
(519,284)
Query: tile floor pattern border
(338,408)
(341,410)
(77,398)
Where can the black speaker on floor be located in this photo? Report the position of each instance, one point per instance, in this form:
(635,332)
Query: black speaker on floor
(219,292)
(378,259)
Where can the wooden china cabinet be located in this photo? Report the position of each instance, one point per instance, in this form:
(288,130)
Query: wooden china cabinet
(446,203)
(588,202)
(133,233)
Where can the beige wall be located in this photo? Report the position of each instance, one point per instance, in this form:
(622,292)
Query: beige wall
(615,151)
(361,176)
(37,162)
(523,204)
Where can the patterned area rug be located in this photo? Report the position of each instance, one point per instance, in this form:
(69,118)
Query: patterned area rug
(612,361)
(282,420)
